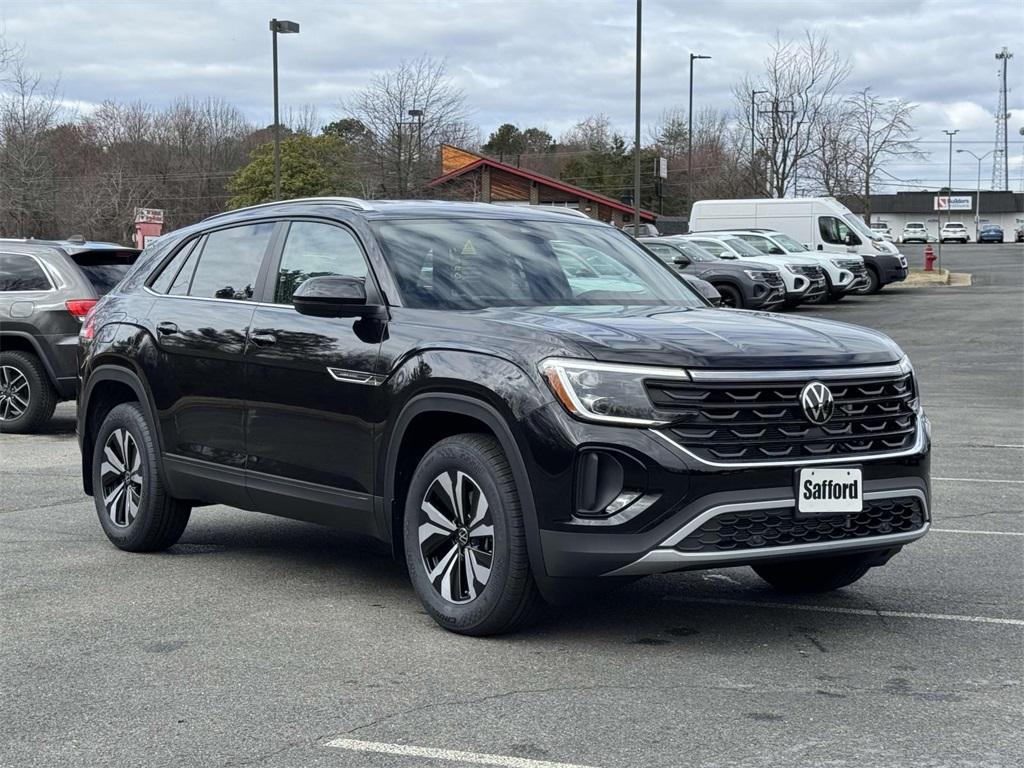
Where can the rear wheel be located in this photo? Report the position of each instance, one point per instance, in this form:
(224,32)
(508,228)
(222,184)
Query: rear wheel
(27,398)
(818,575)
(730,296)
(465,541)
(135,510)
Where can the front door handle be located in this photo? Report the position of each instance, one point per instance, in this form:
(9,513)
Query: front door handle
(166,328)
(263,339)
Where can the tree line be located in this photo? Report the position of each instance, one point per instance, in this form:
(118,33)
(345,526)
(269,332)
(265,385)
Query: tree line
(791,129)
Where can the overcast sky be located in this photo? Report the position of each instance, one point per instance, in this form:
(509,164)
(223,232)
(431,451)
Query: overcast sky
(537,62)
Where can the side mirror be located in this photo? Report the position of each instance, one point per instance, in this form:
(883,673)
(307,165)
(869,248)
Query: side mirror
(776,251)
(333,296)
(851,239)
(681,261)
(726,255)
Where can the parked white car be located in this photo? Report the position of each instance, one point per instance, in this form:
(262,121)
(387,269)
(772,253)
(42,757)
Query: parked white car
(914,232)
(843,274)
(881,228)
(954,231)
(804,277)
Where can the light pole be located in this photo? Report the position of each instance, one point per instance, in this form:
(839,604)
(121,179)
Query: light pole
(689,137)
(977,202)
(636,132)
(949,192)
(279,27)
(753,130)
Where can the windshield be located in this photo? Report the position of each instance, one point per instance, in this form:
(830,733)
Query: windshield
(457,264)
(104,269)
(788,243)
(742,247)
(914,225)
(695,252)
(856,223)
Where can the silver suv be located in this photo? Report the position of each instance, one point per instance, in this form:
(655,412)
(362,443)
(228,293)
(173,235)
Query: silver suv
(46,289)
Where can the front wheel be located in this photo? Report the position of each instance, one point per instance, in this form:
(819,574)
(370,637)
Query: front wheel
(873,284)
(730,296)
(818,575)
(135,510)
(465,540)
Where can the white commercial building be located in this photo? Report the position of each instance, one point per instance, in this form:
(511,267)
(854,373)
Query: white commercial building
(1003,208)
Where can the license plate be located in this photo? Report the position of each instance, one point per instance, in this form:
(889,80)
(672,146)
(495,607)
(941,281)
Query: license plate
(829,491)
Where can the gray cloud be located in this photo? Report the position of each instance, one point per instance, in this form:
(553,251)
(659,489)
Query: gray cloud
(544,63)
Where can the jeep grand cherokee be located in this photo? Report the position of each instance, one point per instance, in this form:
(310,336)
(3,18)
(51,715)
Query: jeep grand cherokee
(428,374)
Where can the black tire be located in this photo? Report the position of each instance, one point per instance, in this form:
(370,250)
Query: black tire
(507,599)
(159,519)
(873,285)
(835,296)
(730,296)
(26,395)
(818,575)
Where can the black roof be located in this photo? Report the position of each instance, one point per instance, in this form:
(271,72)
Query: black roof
(70,247)
(923,202)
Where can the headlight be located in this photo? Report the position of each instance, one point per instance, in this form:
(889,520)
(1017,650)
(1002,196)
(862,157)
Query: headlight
(915,400)
(758,274)
(877,245)
(606,393)
(794,268)
(838,263)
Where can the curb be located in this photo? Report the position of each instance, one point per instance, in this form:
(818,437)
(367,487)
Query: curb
(918,278)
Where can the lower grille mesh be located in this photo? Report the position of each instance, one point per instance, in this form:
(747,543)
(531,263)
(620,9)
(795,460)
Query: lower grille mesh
(779,527)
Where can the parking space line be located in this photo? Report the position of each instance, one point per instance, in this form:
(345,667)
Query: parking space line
(977,480)
(849,611)
(452,755)
(982,533)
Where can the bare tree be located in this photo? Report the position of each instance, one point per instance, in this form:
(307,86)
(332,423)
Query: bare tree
(404,145)
(881,131)
(798,86)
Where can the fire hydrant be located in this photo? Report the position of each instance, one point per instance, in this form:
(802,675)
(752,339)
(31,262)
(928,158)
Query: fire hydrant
(929,258)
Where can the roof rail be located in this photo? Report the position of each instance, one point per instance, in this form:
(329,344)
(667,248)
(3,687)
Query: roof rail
(348,202)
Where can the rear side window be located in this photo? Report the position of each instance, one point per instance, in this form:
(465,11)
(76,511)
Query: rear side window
(176,275)
(22,273)
(230,262)
(316,250)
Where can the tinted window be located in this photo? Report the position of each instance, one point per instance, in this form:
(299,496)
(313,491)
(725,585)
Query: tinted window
(21,273)
(477,263)
(316,250)
(230,262)
(104,268)
(172,278)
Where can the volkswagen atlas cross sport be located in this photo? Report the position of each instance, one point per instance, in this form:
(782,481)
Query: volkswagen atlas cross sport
(428,374)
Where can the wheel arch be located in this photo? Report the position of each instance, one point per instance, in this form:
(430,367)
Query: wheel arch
(457,413)
(20,341)
(107,387)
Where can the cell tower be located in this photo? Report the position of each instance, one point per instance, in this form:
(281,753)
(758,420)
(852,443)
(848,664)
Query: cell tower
(1001,155)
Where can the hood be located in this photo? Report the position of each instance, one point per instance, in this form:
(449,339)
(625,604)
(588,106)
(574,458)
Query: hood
(732,265)
(701,338)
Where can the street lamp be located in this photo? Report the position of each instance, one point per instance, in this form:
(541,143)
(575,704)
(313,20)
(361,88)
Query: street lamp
(689,138)
(279,27)
(753,130)
(977,202)
(949,191)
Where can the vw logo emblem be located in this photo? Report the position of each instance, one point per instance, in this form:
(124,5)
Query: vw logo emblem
(817,402)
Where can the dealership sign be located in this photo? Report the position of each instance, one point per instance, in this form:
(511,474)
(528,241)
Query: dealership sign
(149,216)
(954,203)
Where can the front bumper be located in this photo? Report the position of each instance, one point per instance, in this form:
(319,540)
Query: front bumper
(683,492)
(766,296)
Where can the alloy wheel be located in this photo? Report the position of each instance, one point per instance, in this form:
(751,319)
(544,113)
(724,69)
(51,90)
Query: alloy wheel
(121,477)
(14,393)
(456,536)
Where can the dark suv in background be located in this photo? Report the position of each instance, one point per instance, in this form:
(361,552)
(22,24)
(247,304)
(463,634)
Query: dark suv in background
(430,375)
(46,288)
(742,285)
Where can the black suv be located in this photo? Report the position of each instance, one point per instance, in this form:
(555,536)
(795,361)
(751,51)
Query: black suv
(46,288)
(427,374)
(746,285)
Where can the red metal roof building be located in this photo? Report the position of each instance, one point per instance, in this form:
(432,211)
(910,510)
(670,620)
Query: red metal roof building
(475,178)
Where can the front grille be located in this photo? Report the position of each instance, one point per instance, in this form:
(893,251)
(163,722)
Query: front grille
(780,527)
(773,278)
(759,421)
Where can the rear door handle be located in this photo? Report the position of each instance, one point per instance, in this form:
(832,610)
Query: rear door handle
(263,339)
(166,328)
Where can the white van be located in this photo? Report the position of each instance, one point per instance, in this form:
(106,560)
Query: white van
(819,223)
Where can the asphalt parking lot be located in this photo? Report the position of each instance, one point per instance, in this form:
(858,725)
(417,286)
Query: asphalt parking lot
(258,641)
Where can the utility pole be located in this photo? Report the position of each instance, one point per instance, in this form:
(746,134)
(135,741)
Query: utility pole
(636,131)
(689,139)
(753,131)
(977,202)
(1001,175)
(949,192)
